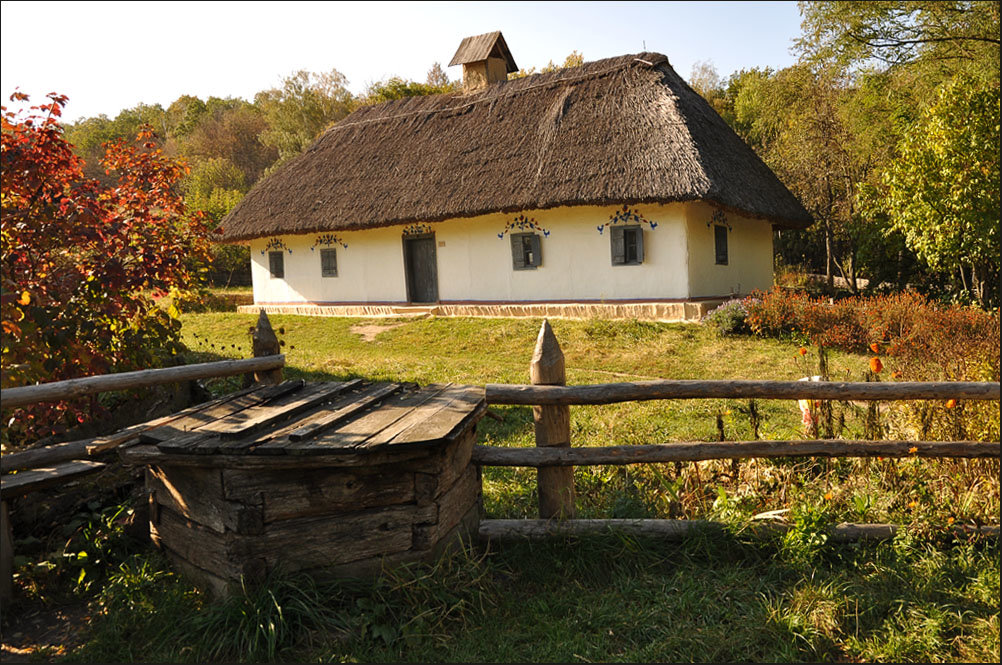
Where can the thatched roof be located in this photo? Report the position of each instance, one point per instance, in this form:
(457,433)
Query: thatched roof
(625,130)
(481,47)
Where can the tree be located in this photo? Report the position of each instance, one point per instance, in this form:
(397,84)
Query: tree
(79,259)
(305,105)
(942,193)
(575,59)
(437,78)
(398,88)
(952,33)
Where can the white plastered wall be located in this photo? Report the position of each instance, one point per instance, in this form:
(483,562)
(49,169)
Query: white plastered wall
(749,254)
(475,265)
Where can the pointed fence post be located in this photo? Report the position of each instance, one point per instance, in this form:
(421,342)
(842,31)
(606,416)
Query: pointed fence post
(265,343)
(553,428)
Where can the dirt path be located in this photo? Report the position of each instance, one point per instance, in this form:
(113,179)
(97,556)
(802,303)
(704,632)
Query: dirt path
(41,634)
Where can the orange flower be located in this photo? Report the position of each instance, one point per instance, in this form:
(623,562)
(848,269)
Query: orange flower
(876,365)
(25,298)
(802,351)
(828,496)
(875,347)
(912,450)
(949,520)
(950,403)
(896,374)
(913,504)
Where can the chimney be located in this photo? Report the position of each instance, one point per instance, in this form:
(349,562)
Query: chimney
(485,60)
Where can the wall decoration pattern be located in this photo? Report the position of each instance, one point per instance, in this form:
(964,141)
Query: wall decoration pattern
(625,216)
(523,223)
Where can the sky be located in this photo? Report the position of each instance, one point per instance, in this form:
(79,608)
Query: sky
(108,56)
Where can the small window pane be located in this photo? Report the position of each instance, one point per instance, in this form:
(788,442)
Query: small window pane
(525,251)
(720,242)
(276,264)
(328,263)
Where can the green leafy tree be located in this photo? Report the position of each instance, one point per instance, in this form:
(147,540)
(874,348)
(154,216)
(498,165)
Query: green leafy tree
(950,33)
(575,59)
(305,105)
(942,194)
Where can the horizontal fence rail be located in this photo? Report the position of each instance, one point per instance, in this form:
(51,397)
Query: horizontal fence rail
(610,393)
(508,530)
(90,385)
(700,451)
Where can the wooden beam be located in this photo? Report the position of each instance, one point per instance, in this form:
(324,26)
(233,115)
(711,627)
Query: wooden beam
(19,484)
(513,530)
(89,385)
(696,451)
(608,393)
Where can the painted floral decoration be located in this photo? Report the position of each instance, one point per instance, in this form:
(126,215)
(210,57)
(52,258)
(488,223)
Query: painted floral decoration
(275,243)
(523,223)
(328,240)
(417,229)
(624,216)
(720,218)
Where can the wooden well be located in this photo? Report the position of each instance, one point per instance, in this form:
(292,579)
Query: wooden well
(333,478)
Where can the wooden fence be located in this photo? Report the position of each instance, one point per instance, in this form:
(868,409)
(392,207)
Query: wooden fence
(48,466)
(554,457)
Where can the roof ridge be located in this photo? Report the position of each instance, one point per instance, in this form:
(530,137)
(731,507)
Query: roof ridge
(552,82)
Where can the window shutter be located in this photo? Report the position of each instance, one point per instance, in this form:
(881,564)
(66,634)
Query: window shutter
(517,257)
(328,263)
(618,241)
(537,254)
(720,236)
(276,264)
(640,244)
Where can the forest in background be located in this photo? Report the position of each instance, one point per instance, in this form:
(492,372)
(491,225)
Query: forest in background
(886,129)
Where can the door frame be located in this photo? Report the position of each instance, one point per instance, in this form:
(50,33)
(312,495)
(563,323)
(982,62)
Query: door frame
(407,265)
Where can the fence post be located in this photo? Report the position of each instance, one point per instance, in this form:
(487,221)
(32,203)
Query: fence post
(265,343)
(6,555)
(553,428)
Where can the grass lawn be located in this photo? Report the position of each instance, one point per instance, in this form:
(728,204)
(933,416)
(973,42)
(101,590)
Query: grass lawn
(732,597)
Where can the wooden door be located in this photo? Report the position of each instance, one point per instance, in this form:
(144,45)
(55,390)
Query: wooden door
(421,268)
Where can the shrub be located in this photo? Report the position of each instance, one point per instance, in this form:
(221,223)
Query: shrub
(730,318)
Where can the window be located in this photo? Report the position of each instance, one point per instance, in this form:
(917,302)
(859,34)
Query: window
(276,264)
(526,253)
(720,242)
(627,245)
(328,263)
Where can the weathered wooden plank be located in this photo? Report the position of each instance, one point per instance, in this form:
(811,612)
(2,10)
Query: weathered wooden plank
(322,541)
(196,544)
(257,396)
(23,482)
(90,385)
(69,450)
(6,555)
(441,419)
(315,492)
(150,454)
(353,434)
(609,393)
(552,427)
(507,530)
(430,402)
(456,502)
(338,414)
(251,420)
(439,473)
(683,452)
(194,494)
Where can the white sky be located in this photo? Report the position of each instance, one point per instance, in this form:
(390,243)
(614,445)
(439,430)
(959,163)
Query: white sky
(107,56)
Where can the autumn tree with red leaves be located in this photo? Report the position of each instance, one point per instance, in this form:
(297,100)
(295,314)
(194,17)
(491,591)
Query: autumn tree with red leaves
(81,260)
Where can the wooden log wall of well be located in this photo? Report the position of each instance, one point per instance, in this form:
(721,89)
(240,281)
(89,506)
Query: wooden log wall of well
(332,478)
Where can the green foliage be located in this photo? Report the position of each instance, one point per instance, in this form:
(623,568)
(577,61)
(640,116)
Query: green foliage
(949,33)
(305,105)
(574,59)
(729,318)
(942,194)
(398,88)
